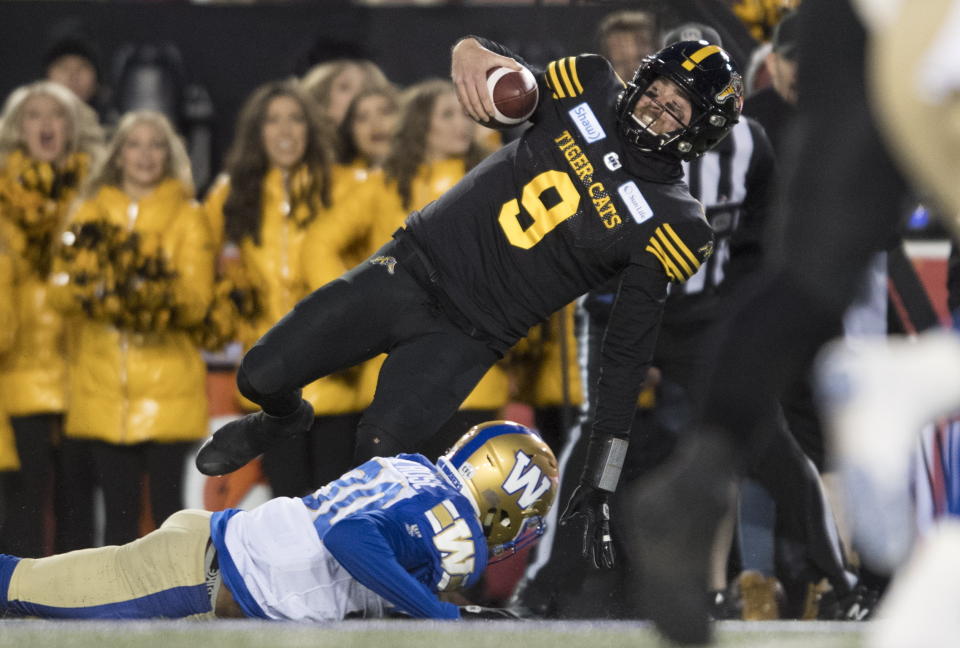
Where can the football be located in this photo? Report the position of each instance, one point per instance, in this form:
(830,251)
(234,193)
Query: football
(514,96)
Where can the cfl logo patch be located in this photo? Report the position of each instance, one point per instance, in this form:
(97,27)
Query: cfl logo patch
(526,476)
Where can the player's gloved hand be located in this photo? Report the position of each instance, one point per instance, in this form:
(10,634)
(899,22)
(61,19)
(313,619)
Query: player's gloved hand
(477,612)
(593,505)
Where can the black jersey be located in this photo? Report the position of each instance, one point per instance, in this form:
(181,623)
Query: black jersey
(561,210)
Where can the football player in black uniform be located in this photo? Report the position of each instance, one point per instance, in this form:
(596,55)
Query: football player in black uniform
(593,190)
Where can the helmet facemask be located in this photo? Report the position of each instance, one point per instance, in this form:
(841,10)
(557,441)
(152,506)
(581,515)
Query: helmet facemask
(659,123)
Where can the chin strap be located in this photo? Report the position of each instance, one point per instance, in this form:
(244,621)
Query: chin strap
(605,457)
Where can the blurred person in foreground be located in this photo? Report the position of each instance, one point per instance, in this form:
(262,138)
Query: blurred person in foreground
(836,219)
(879,396)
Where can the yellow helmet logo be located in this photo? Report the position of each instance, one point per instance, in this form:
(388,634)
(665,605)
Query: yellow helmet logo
(733,89)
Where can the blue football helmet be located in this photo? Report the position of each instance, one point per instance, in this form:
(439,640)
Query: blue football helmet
(510,476)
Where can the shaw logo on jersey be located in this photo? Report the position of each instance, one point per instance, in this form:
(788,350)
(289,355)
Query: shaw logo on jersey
(636,204)
(587,122)
(527,476)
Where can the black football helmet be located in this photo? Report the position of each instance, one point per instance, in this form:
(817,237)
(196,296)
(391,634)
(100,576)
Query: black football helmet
(710,80)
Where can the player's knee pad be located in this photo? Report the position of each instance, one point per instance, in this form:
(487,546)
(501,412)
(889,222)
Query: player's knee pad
(260,379)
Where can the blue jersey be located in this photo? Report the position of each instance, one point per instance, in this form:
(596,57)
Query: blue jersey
(393,524)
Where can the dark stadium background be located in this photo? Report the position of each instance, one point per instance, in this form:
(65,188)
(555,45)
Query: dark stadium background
(230,49)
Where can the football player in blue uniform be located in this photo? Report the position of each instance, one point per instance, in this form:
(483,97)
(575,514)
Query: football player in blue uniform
(384,538)
(592,191)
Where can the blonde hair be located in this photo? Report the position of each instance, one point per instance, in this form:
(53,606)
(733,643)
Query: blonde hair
(108,171)
(318,80)
(85,134)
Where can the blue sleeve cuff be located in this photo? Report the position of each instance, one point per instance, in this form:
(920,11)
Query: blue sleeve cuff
(362,548)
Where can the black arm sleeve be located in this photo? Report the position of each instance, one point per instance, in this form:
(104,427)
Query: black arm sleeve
(628,346)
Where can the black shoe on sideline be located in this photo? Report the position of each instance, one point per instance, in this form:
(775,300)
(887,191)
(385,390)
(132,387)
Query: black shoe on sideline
(238,442)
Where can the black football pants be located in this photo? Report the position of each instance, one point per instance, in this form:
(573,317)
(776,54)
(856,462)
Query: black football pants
(377,307)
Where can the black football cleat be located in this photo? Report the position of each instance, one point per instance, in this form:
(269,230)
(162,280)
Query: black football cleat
(675,513)
(238,442)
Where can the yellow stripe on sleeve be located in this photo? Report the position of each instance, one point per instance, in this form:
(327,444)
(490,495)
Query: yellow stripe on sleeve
(681,245)
(567,85)
(674,254)
(573,74)
(668,266)
(555,80)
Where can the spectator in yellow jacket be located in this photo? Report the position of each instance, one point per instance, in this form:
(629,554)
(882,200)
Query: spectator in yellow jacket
(277,184)
(136,266)
(332,85)
(364,139)
(8,323)
(48,139)
(543,380)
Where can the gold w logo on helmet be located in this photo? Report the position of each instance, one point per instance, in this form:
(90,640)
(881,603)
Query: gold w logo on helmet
(527,476)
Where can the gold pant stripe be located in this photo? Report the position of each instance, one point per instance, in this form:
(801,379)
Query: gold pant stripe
(170,557)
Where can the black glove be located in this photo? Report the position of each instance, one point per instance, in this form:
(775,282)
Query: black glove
(478,612)
(592,503)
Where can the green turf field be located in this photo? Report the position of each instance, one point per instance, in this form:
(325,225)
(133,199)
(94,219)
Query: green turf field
(410,634)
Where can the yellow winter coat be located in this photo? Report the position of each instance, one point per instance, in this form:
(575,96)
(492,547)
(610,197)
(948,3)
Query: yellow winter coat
(431,181)
(535,361)
(8,324)
(276,265)
(33,371)
(127,387)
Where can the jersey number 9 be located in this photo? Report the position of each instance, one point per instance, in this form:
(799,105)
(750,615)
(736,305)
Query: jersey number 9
(544,218)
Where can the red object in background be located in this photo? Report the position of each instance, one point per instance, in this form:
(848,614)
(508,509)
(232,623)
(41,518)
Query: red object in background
(501,578)
(931,265)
